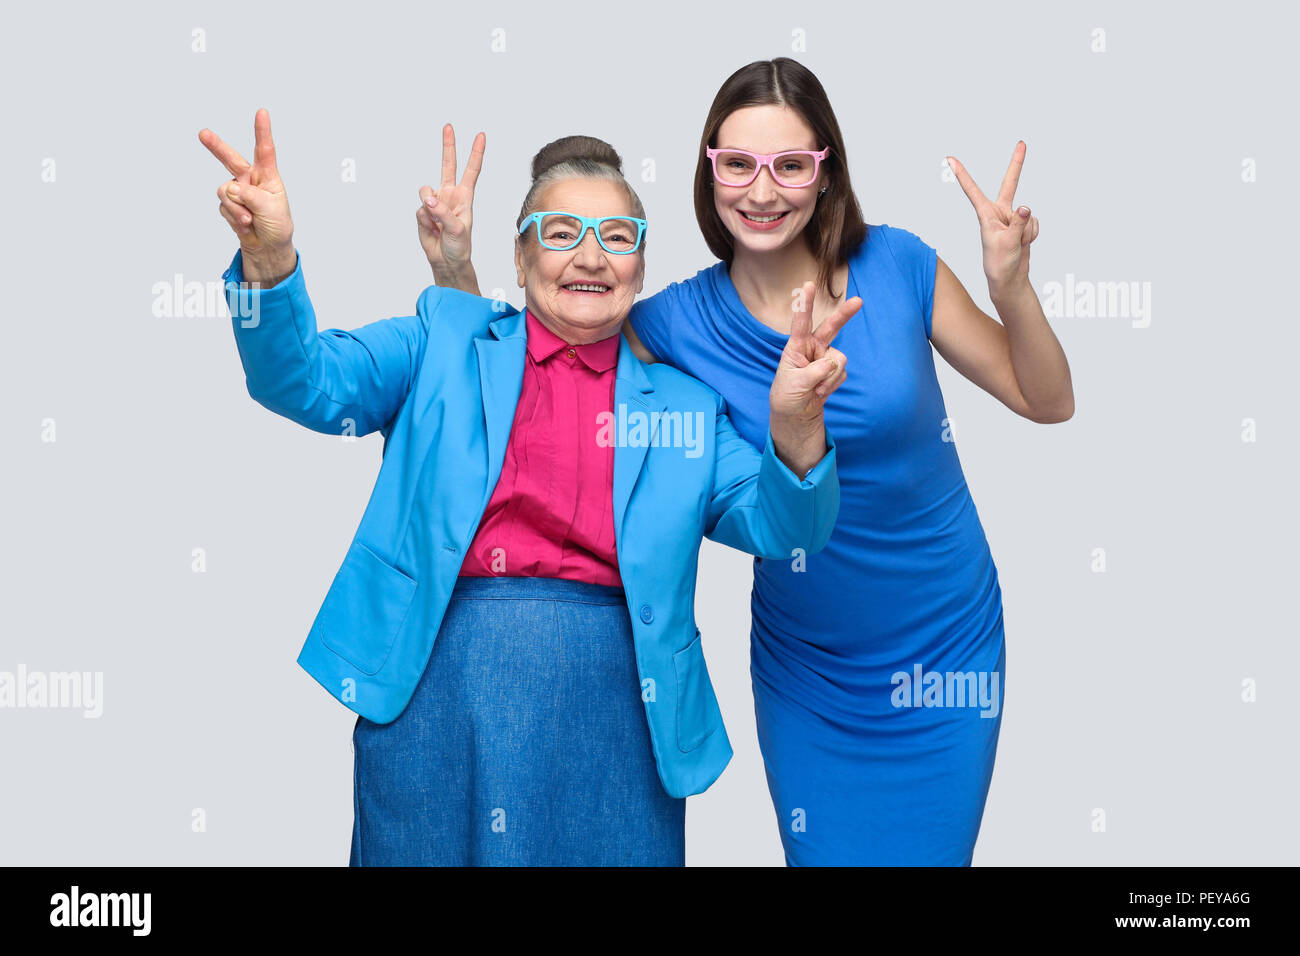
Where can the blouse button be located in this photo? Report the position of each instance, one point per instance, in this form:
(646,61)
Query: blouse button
(571,353)
(647,614)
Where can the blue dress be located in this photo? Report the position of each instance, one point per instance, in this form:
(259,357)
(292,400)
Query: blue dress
(877,663)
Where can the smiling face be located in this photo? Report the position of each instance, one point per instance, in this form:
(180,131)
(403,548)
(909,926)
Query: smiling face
(583,294)
(765,216)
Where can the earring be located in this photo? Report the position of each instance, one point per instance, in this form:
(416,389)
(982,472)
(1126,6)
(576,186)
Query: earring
(822,190)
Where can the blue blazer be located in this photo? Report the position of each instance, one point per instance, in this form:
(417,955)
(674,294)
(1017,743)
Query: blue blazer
(441,387)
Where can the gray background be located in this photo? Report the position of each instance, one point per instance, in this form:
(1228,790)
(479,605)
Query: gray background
(1123,688)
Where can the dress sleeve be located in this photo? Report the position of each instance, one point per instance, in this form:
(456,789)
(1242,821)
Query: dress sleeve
(918,262)
(652,320)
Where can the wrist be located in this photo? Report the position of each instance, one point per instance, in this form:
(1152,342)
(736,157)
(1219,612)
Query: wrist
(799,443)
(798,427)
(1010,293)
(455,275)
(268,268)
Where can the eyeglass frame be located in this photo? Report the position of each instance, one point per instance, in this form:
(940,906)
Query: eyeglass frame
(766,159)
(587,222)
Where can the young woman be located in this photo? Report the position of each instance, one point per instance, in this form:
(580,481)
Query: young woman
(879,707)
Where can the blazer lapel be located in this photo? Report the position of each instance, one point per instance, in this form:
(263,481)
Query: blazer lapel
(634,396)
(501,377)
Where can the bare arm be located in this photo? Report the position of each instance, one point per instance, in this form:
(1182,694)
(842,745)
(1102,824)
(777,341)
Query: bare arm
(1019,361)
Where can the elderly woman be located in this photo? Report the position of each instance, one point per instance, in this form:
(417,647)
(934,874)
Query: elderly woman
(513,621)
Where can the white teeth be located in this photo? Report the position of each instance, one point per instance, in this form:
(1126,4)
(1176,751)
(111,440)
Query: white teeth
(582,287)
(763,218)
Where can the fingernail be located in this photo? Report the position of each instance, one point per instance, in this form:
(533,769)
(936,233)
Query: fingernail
(1024,212)
(232,191)
(431,202)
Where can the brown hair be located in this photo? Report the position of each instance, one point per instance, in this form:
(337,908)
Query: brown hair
(836,227)
(576,157)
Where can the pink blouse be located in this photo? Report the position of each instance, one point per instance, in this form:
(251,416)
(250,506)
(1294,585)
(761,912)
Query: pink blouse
(551,514)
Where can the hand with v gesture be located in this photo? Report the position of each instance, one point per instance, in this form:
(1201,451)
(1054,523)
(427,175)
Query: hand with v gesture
(255,204)
(446,215)
(808,372)
(1005,232)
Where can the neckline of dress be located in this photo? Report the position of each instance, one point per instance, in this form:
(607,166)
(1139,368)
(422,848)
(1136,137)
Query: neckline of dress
(747,319)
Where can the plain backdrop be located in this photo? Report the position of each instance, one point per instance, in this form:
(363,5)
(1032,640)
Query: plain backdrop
(1161,160)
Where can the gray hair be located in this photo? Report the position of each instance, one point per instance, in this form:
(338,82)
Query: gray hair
(576,157)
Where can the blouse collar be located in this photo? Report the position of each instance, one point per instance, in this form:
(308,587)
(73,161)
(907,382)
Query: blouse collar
(598,356)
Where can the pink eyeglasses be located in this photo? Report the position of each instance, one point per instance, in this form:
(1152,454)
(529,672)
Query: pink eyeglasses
(739,167)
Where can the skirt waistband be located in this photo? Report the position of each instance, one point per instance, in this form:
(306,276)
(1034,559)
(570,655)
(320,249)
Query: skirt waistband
(536,589)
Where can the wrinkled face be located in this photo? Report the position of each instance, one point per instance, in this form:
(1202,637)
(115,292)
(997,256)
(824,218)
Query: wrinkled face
(763,130)
(585,293)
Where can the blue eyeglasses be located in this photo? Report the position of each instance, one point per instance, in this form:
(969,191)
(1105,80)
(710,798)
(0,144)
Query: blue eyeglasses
(561,231)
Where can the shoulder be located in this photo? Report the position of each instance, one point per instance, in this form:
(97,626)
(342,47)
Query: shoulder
(657,319)
(436,300)
(681,390)
(914,258)
(682,294)
(903,245)
(458,314)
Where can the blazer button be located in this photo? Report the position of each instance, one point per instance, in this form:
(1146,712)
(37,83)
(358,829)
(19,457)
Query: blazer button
(647,614)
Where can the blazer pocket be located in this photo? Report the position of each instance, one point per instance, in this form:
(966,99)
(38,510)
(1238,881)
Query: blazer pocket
(365,609)
(696,704)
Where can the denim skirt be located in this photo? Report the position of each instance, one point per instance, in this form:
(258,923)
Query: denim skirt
(525,744)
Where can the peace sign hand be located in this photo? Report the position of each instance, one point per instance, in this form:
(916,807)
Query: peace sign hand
(445,216)
(254,201)
(808,372)
(1004,232)
(809,369)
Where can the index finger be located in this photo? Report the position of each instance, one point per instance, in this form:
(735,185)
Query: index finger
(475,164)
(448,155)
(832,324)
(1012,178)
(977,198)
(801,321)
(229,157)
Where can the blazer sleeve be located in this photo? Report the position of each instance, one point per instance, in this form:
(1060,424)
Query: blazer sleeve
(758,505)
(329,381)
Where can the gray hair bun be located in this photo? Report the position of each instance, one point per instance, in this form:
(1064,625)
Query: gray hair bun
(581,148)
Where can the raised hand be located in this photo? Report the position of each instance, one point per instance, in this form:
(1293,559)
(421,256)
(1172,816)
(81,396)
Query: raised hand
(808,372)
(1005,232)
(810,369)
(254,200)
(446,215)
